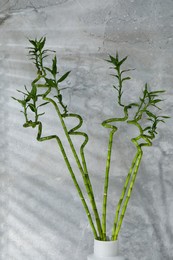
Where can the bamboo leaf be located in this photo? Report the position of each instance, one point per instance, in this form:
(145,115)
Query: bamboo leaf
(156,101)
(43,104)
(42,43)
(161,120)
(45,56)
(54,66)
(48,69)
(50,82)
(165,116)
(34,92)
(122,61)
(123,71)
(127,78)
(150,114)
(28,98)
(157,91)
(41,114)
(26,89)
(115,88)
(113,60)
(147,128)
(21,92)
(22,102)
(150,119)
(33,42)
(156,106)
(32,107)
(63,77)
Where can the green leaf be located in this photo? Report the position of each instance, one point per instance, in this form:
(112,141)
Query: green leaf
(156,101)
(150,114)
(123,71)
(147,128)
(21,92)
(157,91)
(161,120)
(127,78)
(51,82)
(63,77)
(43,57)
(28,98)
(165,116)
(145,91)
(114,75)
(113,60)
(153,95)
(43,104)
(115,88)
(122,61)
(22,102)
(156,106)
(32,107)
(54,66)
(41,114)
(48,69)
(33,42)
(34,92)
(42,43)
(26,89)
(150,119)
(60,97)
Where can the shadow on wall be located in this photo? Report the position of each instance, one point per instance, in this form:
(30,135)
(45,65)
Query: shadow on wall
(156,207)
(41,218)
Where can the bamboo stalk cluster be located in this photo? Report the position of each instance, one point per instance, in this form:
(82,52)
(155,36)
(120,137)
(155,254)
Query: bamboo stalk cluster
(46,79)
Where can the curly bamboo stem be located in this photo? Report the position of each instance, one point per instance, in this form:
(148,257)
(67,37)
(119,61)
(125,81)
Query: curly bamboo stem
(40,138)
(85,174)
(115,235)
(130,179)
(83,171)
(107,124)
(123,194)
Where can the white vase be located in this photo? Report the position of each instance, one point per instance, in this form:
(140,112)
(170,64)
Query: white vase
(105,250)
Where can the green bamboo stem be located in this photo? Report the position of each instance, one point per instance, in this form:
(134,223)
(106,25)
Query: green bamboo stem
(107,124)
(120,87)
(123,194)
(86,175)
(115,235)
(85,179)
(106,183)
(131,175)
(83,169)
(74,131)
(40,138)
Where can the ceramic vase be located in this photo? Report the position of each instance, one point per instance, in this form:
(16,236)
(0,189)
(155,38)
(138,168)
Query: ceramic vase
(105,250)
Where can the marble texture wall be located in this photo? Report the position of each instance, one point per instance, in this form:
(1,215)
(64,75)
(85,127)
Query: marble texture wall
(40,213)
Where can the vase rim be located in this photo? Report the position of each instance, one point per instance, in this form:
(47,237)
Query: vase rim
(114,241)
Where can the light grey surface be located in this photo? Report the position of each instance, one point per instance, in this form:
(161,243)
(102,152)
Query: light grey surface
(41,215)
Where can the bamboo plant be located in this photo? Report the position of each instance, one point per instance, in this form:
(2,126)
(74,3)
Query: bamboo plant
(45,89)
